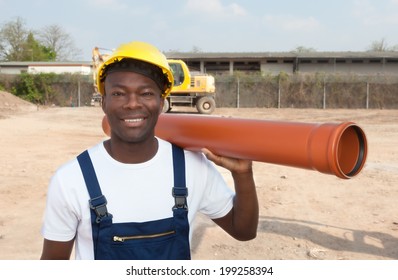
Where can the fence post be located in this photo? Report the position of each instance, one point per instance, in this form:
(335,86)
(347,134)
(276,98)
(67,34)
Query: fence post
(367,95)
(324,94)
(279,91)
(78,93)
(238,94)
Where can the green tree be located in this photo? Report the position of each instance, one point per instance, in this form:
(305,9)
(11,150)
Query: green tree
(36,88)
(27,89)
(34,51)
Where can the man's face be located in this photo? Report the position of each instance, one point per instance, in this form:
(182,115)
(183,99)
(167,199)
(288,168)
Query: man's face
(132,103)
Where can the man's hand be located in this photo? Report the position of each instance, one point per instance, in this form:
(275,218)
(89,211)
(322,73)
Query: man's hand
(236,166)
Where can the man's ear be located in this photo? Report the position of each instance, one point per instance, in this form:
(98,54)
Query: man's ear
(161,105)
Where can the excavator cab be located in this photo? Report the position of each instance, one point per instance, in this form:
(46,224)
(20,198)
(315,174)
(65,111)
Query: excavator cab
(178,73)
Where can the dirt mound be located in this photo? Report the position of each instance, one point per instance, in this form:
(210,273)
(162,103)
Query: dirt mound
(10,104)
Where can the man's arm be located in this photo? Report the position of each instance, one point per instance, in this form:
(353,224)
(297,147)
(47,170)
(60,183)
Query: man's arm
(56,250)
(242,221)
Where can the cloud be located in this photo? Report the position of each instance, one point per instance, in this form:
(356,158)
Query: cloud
(215,8)
(291,23)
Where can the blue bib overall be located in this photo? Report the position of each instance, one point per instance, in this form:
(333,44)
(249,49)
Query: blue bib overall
(165,239)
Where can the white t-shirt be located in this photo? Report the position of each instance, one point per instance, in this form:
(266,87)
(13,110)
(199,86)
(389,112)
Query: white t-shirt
(135,193)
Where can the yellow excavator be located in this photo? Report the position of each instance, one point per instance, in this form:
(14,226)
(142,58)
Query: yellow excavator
(193,89)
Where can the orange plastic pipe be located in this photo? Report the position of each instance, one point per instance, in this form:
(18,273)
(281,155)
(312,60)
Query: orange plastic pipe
(338,149)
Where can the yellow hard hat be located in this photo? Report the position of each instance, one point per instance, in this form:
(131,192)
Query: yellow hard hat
(137,51)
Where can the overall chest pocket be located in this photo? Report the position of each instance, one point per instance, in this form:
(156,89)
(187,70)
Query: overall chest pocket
(154,240)
(132,234)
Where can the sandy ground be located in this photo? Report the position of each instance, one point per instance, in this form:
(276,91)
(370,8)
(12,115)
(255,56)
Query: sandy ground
(304,214)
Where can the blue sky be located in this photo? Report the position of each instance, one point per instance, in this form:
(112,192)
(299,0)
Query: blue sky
(215,25)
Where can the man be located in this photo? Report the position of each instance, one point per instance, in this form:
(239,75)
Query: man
(134,195)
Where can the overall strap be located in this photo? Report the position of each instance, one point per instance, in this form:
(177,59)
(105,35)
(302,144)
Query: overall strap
(180,208)
(99,212)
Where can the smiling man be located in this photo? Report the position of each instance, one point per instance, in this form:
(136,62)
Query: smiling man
(134,196)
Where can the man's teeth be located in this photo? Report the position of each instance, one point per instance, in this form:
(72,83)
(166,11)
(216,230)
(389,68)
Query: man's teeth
(134,120)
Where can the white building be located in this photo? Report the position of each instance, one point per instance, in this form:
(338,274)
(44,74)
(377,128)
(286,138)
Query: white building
(83,68)
(59,68)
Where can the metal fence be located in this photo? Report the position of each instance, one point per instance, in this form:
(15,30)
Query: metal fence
(308,91)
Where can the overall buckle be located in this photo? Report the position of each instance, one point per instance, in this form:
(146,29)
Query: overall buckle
(180,198)
(98,204)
